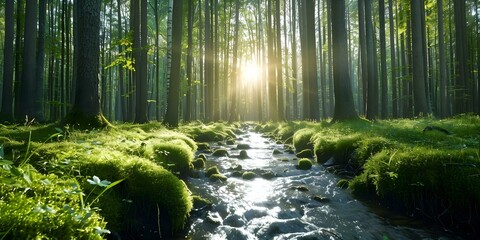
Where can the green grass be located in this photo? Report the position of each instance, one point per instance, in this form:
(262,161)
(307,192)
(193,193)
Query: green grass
(148,157)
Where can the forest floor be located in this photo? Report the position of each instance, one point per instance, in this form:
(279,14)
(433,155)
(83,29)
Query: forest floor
(129,179)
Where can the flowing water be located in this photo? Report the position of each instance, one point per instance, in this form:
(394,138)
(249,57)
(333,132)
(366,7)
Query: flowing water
(295,204)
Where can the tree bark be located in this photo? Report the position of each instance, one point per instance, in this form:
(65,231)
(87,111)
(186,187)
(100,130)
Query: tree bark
(443,96)
(86,112)
(393,61)
(383,61)
(344,105)
(372,87)
(171,116)
(420,99)
(6,113)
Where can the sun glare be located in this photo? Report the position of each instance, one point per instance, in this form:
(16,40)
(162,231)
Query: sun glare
(250,72)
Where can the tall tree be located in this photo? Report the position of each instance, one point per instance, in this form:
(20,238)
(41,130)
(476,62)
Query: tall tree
(140,48)
(6,112)
(171,116)
(29,62)
(393,60)
(344,105)
(272,86)
(209,74)
(443,96)
(86,111)
(38,101)
(383,60)
(18,59)
(420,99)
(461,56)
(188,104)
(233,110)
(279,73)
(372,84)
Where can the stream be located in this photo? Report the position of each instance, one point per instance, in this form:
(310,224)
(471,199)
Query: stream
(295,204)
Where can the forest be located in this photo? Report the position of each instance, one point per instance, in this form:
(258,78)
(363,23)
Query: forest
(99,97)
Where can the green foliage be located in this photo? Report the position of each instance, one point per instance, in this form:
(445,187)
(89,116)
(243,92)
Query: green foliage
(304,164)
(208,133)
(122,152)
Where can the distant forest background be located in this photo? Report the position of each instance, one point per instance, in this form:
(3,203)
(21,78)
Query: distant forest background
(244,60)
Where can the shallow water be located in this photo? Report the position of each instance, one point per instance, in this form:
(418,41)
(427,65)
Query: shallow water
(296,204)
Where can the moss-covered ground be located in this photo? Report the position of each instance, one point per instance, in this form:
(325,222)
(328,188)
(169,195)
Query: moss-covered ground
(423,167)
(52,181)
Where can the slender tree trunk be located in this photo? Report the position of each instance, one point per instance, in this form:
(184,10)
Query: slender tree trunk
(393,61)
(29,62)
(372,94)
(216,77)
(443,96)
(420,100)
(278,62)
(272,86)
(18,60)
(294,60)
(6,113)
(235,73)
(171,117)
(363,52)
(209,81)
(189,61)
(141,68)
(383,60)
(330,65)
(461,63)
(344,106)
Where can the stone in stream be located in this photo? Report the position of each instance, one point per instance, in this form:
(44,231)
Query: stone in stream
(214,218)
(218,177)
(202,156)
(237,174)
(276,152)
(203,146)
(199,163)
(268,175)
(248,175)
(306,153)
(243,146)
(321,199)
(301,188)
(236,167)
(234,220)
(230,142)
(243,155)
(220,153)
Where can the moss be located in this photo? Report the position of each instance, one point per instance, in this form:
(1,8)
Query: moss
(212,170)
(216,177)
(237,174)
(276,152)
(230,142)
(304,164)
(220,153)
(202,156)
(342,183)
(200,202)
(249,175)
(174,157)
(305,153)
(84,121)
(324,150)
(302,139)
(203,146)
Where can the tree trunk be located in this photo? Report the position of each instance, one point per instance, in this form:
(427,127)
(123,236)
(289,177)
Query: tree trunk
(189,69)
(363,52)
(272,86)
(420,99)
(6,113)
(461,63)
(294,60)
(18,60)
(86,111)
(29,62)
(233,110)
(344,105)
(141,74)
(372,93)
(443,96)
(383,60)
(278,63)
(393,61)
(171,116)
(209,81)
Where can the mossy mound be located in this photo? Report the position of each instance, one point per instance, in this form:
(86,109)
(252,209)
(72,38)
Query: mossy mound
(302,139)
(209,133)
(304,164)
(249,175)
(243,155)
(276,152)
(121,152)
(212,170)
(200,202)
(220,153)
(199,163)
(175,157)
(216,176)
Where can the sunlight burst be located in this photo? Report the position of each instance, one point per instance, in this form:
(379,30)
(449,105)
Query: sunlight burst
(250,72)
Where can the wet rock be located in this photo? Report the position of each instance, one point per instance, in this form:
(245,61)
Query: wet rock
(203,146)
(208,151)
(230,142)
(212,170)
(249,175)
(237,174)
(254,213)
(279,142)
(304,164)
(200,203)
(234,220)
(321,199)
(220,143)
(214,218)
(243,155)
(199,163)
(236,167)
(216,177)
(306,153)
(276,152)
(301,188)
(243,146)
(220,153)
(268,175)
(290,151)
(202,156)
(284,159)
